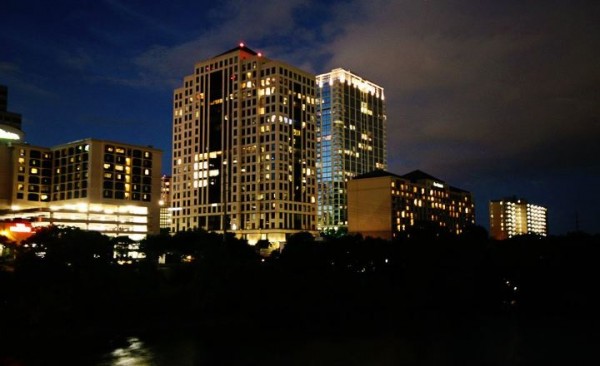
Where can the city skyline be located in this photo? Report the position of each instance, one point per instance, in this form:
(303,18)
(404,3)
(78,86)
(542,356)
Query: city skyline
(500,99)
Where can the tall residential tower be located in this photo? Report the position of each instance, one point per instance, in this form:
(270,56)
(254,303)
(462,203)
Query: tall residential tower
(244,148)
(351,139)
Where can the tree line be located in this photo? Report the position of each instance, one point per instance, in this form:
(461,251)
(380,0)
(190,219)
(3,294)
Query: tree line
(65,281)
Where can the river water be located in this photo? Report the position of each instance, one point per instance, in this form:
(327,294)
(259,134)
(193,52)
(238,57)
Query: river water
(488,343)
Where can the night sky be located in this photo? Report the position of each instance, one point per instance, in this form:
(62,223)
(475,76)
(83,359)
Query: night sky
(500,98)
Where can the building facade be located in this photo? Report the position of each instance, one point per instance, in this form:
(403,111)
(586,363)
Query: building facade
(99,185)
(165,203)
(351,140)
(512,216)
(244,148)
(385,205)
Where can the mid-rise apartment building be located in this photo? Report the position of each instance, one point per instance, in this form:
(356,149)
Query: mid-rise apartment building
(512,216)
(384,205)
(244,148)
(106,186)
(351,139)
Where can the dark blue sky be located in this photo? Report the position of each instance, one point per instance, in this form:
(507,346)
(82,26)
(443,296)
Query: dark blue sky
(499,98)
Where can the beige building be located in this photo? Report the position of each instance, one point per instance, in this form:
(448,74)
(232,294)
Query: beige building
(92,184)
(383,205)
(512,216)
(244,154)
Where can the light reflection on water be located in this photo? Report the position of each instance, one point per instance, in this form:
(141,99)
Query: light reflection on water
(134,352)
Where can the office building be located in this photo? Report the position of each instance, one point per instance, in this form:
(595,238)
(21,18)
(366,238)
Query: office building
(512,216)
(244,148)
(351,140)
(105,186)
(385,205)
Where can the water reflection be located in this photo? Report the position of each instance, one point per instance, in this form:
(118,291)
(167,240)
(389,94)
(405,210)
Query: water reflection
(133,352)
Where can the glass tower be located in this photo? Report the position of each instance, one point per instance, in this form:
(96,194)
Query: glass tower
(351,126)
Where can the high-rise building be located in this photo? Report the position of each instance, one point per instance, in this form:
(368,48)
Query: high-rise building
(383,205)
(512,216)
(105,186)
(7,118)
(10,133)
(244,154)
(351,139)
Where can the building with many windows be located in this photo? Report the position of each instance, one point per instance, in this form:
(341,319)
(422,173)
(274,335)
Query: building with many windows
(244,148)
(351,139)
(512,216)
(92,184)
(384,205)
(165,203)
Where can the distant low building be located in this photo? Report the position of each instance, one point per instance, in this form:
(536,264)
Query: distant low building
(512,216)
(383,204)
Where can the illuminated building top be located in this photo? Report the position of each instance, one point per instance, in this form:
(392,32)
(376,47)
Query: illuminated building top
(8,133)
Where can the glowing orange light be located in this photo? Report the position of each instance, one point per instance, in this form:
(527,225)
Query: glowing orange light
(20,228)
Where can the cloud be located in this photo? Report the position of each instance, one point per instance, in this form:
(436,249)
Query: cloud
(503,83)
(13,76)
(260,24)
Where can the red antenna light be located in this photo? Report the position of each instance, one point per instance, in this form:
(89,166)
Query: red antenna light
(241,44)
